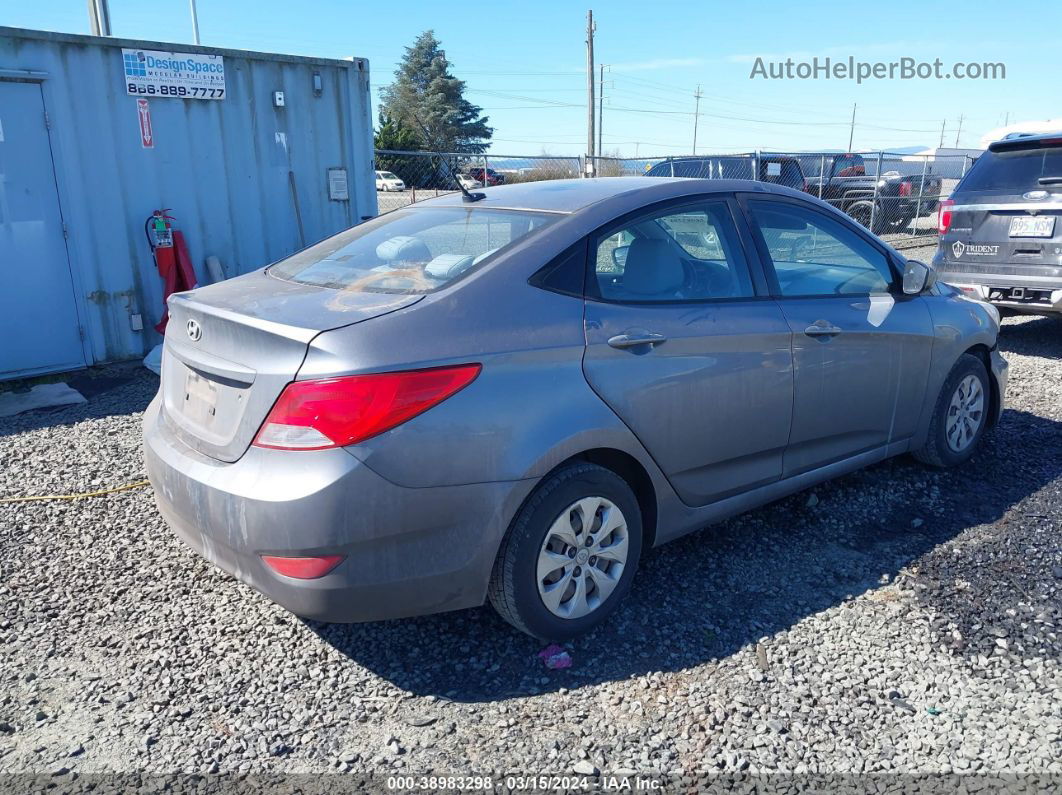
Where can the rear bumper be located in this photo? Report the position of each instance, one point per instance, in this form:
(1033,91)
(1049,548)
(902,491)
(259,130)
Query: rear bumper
(1041,295)
(407,551)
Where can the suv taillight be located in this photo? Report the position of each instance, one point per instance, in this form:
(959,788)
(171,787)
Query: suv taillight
(944,215)
(335,412)
(905,188)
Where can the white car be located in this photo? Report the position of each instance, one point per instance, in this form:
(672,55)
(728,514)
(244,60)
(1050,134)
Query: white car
(467,182)
(385,180)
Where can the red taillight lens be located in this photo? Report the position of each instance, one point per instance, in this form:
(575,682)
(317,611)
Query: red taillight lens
(944,215)
(335,412)
(302,568)
(905,188)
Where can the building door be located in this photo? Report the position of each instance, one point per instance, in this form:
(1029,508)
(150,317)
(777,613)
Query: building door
(39,328)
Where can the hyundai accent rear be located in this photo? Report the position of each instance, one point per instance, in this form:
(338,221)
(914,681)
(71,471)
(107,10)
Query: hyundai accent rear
(507,396)
(1001,238)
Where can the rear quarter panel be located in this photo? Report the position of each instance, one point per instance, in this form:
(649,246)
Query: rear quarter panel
(530,407)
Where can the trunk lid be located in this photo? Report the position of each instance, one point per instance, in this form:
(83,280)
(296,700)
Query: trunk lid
(232,347)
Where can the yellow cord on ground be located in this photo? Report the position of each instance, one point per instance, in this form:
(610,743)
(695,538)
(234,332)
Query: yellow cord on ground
(81,496)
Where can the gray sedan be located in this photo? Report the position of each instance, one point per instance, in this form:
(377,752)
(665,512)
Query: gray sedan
(512,396)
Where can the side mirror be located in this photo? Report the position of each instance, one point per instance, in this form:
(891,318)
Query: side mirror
(619,256)
(917,277)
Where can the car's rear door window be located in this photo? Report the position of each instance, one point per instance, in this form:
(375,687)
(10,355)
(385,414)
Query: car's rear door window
(815,255)
(688,253)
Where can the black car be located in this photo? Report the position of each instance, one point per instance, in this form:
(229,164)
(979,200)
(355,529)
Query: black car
(889,201)
(1000,236)
(779,169)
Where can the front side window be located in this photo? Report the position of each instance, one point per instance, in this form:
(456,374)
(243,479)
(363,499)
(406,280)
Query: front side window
(814,255)
(681,254)
(410,251)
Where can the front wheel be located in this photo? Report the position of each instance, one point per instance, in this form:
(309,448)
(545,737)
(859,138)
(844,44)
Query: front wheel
(570,554)
(960,415)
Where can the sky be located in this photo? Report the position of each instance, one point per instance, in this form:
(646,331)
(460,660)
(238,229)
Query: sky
(524,63)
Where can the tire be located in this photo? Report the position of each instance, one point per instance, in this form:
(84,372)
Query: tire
(938,451)
(533,541)
(860,212)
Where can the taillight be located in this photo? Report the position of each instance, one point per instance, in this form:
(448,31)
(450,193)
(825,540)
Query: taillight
(944,215)
(905,188)
(335,412)
(302,568)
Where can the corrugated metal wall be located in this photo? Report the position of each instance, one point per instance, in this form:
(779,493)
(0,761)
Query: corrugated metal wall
(221,165)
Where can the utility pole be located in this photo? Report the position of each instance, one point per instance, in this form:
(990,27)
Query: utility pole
(99,17)
(601,111)
(958,131)
(696,115)
(1006,121)
(590,27)
(943,124)
(851,130)
(195,22)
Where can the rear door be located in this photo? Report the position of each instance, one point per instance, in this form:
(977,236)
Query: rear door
(1005,220)
(687,348)
(861,348)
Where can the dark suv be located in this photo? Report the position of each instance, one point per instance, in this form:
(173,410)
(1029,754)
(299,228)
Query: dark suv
(779,169)
(1000,237)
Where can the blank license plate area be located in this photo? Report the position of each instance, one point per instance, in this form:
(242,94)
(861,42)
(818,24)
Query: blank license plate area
(200,399)
(1032,226)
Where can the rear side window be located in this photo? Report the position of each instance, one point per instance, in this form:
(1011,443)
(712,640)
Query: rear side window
(1013,172)
(410,251)
(689,253)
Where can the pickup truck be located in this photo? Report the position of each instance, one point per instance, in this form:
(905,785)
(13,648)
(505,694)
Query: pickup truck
(843,181)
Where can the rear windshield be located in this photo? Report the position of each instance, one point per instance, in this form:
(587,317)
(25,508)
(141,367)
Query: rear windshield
(410,251)
(1013,172)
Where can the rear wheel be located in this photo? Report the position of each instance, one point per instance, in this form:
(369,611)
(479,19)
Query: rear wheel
(569,555)
(861,212)
(960,415)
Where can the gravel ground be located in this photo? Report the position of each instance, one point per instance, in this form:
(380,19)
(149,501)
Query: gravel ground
(898,619)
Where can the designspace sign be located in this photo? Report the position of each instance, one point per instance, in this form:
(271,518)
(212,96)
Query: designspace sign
(184,75)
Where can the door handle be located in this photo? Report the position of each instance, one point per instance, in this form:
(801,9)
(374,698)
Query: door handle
(820,328)
(633,340)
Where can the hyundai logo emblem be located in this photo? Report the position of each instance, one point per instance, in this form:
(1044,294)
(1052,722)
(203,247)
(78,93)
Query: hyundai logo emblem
(195,331)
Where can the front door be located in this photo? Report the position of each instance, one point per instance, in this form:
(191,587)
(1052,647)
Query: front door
(688,354)
(39,328)
(861,349)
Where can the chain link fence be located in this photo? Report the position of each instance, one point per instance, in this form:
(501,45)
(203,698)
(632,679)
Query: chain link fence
(895,195)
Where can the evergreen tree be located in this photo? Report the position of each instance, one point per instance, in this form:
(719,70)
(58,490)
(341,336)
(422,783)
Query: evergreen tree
(393,134)
(428,100)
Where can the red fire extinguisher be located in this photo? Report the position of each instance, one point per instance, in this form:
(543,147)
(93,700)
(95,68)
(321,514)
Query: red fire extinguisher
(172,260)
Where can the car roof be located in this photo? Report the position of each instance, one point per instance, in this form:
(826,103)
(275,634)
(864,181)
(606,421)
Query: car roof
(571,195)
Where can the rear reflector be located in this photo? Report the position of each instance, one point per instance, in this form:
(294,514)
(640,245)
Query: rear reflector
(302,568)
(335,412)
(944,215)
